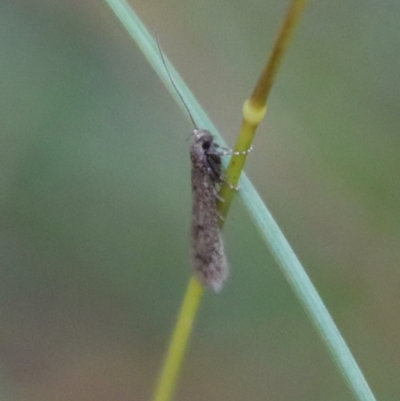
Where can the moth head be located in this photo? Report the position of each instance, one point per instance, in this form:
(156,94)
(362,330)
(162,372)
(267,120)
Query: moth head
(203,137)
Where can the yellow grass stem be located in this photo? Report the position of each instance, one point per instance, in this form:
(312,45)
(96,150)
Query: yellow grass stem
(255,107)
(179,339)
(264,84)
(254,110)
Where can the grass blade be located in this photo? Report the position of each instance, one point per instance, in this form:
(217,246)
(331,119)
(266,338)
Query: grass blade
(305,291)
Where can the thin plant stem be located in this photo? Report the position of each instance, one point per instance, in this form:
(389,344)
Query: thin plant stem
(261,90)
(179,340)
(255,107)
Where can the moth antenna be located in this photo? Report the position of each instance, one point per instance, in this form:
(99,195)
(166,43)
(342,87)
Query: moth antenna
(172,81)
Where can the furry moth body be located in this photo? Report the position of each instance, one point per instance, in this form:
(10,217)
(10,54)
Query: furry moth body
(208,257)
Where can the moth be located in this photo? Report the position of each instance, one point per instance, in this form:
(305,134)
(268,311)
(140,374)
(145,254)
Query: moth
(208,257)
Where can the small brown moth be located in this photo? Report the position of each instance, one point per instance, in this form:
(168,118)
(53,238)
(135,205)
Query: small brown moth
(208,256)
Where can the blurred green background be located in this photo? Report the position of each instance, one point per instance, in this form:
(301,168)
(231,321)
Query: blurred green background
(95,200)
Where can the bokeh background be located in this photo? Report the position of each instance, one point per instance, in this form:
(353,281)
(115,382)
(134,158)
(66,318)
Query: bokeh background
(95,199)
